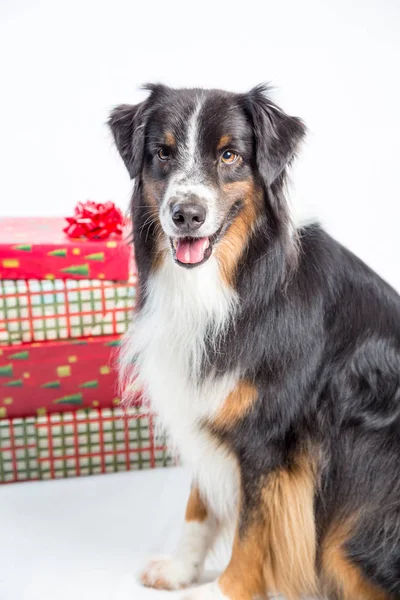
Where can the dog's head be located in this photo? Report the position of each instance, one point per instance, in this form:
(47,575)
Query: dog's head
(208,162)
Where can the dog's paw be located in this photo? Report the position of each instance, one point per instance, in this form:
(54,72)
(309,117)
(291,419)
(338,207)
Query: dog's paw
(210,591)
(169,573)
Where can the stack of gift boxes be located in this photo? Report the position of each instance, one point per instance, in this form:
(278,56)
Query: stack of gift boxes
(64,304)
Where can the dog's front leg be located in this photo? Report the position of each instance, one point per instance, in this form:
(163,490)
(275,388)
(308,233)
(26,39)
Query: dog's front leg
(184,566)
(243,579)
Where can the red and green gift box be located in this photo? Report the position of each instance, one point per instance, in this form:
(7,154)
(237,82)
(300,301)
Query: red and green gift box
(47,377)
(82,442)
(64,303)
(54,287)
(40,249)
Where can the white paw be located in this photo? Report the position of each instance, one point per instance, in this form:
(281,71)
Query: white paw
(210,591)
(169,573)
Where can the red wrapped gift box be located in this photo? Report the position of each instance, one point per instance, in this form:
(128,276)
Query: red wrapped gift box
(39,249)
(50,377)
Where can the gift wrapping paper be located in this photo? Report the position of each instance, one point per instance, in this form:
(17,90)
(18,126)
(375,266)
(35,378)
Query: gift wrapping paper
(83,442)
(39,249)
(38,310)
(42,378)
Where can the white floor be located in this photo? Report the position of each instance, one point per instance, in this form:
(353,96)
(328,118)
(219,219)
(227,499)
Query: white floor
(86,538)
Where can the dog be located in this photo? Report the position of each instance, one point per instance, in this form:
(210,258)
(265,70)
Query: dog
(270,353)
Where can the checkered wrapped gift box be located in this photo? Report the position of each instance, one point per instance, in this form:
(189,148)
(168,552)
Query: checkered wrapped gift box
(36,310)
(79,443)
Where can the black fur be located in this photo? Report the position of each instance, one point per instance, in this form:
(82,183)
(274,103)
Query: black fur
(319,337)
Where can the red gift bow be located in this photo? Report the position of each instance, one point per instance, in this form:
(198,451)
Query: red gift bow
(95,221)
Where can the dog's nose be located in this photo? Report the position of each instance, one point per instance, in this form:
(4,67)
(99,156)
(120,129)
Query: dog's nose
(188,216)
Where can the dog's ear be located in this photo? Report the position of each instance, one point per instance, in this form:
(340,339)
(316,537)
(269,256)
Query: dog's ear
(277,135)
(127,123)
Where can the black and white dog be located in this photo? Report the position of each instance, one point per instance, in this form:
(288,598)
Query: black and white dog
(271,355)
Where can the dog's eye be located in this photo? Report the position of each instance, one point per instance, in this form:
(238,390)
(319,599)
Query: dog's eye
(163,154)
(229,157)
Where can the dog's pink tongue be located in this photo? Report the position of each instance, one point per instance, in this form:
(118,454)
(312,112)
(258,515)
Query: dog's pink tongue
(191,250)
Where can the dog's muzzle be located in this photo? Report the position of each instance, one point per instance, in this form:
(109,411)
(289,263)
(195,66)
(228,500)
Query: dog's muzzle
(187,216)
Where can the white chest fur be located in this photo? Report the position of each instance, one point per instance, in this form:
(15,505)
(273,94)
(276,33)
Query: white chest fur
(168,341)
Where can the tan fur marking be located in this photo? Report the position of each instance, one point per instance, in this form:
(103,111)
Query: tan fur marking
(195,509)
(339,574)
(150,193)
(170,138)
(151,190)
(276,553)
(236,405)
(232,245)
(224,141)
(291,535)
(243,579)
(158,259)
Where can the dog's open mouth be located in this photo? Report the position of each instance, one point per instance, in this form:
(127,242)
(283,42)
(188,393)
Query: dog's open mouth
(192,252)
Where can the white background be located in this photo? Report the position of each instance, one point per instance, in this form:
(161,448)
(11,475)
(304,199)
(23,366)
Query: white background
(335,63)
(88,538)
